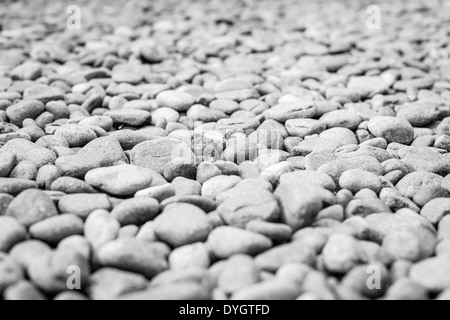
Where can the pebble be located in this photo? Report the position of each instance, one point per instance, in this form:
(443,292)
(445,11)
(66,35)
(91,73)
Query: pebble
(23,290)
(7,163)
(134,255)
(226,241)
(49,272)
(176,100)
(403,245)
(24,170)
(392,129)
(71,185)
(28,109)
(216,185)
(10,272)
(129,117)
(76,135)
(239,166)
(189,256)
(27,150)
(341,119)
(257,204)
(412,183)
(14,186)
(358,279)
(121,180)
(11,233)
(136,211)
(57,228)
(406,289)
(432,274)
(110,283)
(299,203)
(277,232)
(355,180)
(47,175)
(418,114)
(31,206)
(336,168)
(308,177)
(304,127)
(341,254)
(436,209)
(291,110)
(182,224)
(27,252)
(82,204)
(99,229)
(238,272)
(155,154)
(284,254)
(275,289)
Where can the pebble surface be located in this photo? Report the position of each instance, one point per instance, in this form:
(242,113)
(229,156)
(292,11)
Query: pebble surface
(224,150)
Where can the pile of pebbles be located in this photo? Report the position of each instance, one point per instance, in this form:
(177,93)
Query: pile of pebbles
(225,150)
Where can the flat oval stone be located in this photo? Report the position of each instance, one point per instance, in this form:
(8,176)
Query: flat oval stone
(130,117)
(176,100)
(53,230)
(121,180)
(355,180)
(432,273)
(11,233)
(136,211)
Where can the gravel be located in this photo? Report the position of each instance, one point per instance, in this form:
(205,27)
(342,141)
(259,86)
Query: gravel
(251,150)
